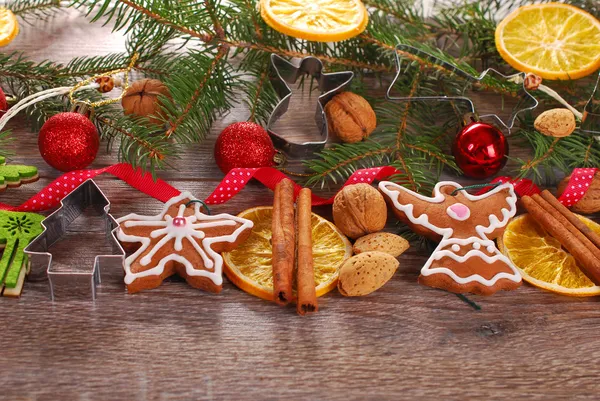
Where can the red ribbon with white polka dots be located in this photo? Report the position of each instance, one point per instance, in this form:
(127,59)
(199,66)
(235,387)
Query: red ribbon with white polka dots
(579,183)
(237,179)
(52,194)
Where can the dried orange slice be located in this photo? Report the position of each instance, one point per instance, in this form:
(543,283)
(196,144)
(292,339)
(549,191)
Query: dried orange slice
(9,26)
(552,40)
(317,20)
(249,265)
(541,259)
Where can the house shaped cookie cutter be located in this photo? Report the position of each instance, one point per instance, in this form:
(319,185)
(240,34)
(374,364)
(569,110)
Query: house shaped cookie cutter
(330,84)
(75,281)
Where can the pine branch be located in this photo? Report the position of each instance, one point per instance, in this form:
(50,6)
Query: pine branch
(34,9)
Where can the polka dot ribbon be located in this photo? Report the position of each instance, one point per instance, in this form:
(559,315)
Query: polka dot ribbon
(522,186)
(579,183)
(237,179)
(52,194)
(234,182)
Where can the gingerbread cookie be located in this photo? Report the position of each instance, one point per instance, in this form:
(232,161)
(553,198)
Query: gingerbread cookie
(183,240)
(466,259)
(16,174)
(17,230)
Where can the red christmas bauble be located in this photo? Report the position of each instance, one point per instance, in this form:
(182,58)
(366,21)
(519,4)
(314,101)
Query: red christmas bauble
(244,144)
(3,102)
(69,141)
(480,150)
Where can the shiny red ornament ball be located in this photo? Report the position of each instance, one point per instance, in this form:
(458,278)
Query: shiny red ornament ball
(244,144)
(69,141)
(3,102)
(480,150)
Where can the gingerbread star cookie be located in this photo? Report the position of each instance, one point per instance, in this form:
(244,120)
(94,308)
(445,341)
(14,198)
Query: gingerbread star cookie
(183,240)
(466,259)
(14,175)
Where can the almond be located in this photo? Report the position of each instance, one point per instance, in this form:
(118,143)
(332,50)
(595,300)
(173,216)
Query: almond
(555,122)
(366,272)
(388,243)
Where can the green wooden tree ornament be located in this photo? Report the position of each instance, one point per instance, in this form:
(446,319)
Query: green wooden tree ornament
(16,174)
(17,230)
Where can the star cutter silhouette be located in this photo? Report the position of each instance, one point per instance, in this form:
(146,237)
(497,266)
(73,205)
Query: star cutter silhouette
(283,73)
(526,102)
(75,282)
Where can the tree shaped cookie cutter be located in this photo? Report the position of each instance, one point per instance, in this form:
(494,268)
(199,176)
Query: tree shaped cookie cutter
(76,281)
(284,73)
(519,78)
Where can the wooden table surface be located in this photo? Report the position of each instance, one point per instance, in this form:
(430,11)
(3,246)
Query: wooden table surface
(176,343)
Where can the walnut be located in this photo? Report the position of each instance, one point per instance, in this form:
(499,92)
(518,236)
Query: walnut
(350,117)
(555,122)
(142,96)
(359,210)
(590,202)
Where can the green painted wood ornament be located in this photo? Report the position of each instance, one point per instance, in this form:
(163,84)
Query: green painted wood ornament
(17,230)
(14,175)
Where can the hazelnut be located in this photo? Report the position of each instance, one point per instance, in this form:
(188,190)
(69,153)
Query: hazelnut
(359,210)
(141,99)
(590,202)
(350,117)
(555,122)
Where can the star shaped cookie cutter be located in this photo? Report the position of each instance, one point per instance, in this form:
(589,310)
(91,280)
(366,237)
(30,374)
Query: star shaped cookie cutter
(519,78)
(75,281)
(284,73)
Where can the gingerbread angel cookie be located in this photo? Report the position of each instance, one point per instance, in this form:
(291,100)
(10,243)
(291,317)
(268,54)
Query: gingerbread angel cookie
(466,259)
(183,240)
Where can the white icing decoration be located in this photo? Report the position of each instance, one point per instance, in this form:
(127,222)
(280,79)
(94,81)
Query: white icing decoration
(454,215)
(190,231)
(455,247)
(393,191)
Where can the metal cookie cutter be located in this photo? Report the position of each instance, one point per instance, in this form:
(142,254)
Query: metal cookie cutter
(330,84)
(75,281)
(590,122)
(527,102)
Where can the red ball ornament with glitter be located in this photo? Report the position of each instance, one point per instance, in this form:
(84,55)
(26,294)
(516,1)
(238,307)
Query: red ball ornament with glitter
(480,150)
(244,144)
(69,141)
(3,102)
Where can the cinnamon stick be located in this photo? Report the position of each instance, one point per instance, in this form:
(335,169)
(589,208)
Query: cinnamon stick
(580,225)
(283,241)
(307,296)
(576,244)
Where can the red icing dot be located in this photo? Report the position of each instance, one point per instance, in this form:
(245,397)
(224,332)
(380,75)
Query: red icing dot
(179,222)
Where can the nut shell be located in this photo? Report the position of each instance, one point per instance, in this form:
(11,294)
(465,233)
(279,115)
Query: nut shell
(359,210)
(367,272)
(142,99)
(590,202)
(555,122)
(389,243)
(350,117)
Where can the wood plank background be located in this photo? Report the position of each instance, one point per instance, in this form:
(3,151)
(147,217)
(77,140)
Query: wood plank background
(175,342)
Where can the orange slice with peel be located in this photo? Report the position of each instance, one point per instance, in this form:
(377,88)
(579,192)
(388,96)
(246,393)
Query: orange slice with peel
(541,259)
(317,20)
(249,265)
(9,26)
(552,40)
